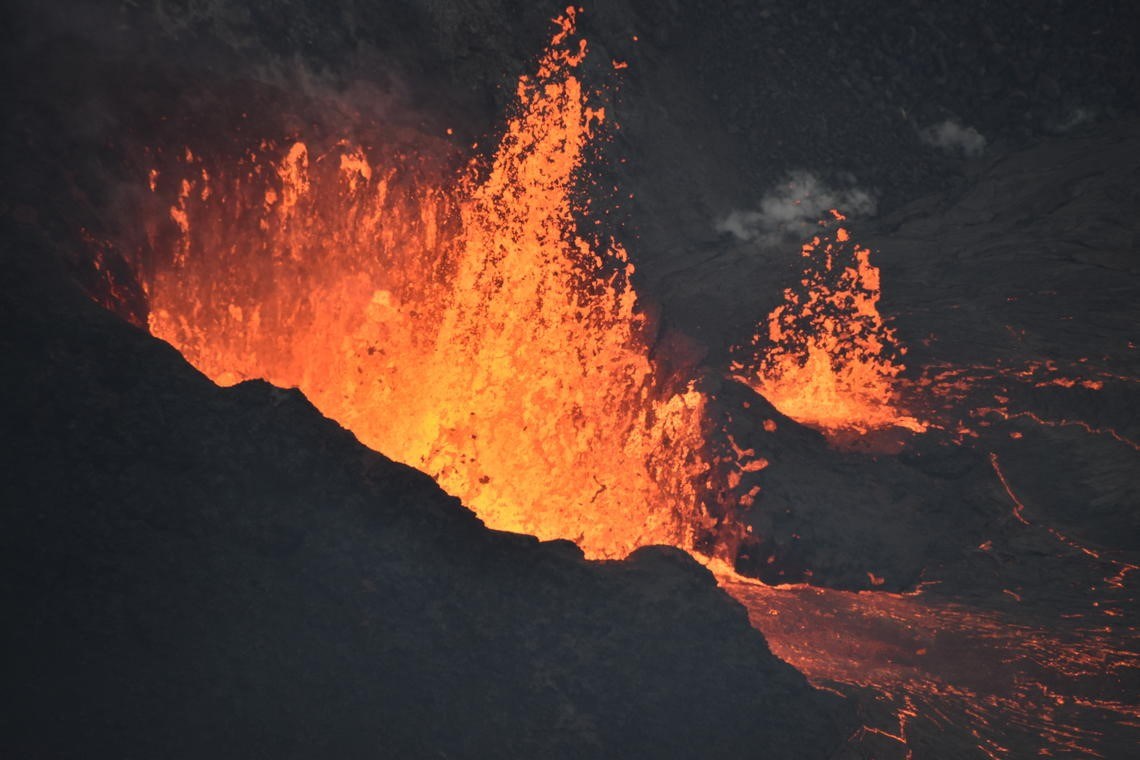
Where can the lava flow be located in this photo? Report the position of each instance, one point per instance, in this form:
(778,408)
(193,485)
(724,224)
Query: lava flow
(828,359)
(464,327)
(1026,689)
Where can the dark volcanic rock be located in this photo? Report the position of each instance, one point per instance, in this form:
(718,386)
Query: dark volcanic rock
(198,572)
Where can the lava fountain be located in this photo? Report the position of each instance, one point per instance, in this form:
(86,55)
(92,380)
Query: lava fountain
(827,359)
(463,326)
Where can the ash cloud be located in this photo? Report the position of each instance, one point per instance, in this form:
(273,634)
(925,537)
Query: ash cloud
(953,137)
(793,208)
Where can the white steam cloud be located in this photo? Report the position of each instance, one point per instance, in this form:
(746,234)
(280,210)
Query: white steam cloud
(794,208)
(953,137)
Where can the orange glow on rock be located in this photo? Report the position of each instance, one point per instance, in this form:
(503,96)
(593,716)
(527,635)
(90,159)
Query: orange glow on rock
(826,358)
(465,327)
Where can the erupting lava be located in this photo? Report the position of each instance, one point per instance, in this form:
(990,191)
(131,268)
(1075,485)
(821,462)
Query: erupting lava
(468,327)
(468,330)
(828,360)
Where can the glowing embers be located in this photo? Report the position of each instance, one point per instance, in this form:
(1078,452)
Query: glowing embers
(827,359)
(463,326)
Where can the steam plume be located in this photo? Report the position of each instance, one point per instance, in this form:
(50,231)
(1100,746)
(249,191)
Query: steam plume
(792,210)
(953,137)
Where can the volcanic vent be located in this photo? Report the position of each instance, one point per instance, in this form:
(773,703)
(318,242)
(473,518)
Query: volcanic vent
(828,359)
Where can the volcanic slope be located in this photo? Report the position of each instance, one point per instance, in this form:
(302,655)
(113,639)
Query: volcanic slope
(198,572)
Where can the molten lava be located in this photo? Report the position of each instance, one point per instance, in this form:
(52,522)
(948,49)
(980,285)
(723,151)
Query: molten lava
(827,359)
(464,327)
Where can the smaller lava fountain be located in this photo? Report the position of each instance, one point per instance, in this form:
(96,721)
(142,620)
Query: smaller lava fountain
(828,360)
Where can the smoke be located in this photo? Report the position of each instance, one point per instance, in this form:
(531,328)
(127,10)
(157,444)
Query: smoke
(953,137)
(793,209)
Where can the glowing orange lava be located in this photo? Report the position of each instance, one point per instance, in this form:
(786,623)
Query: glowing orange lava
(464,327)
(827,359)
